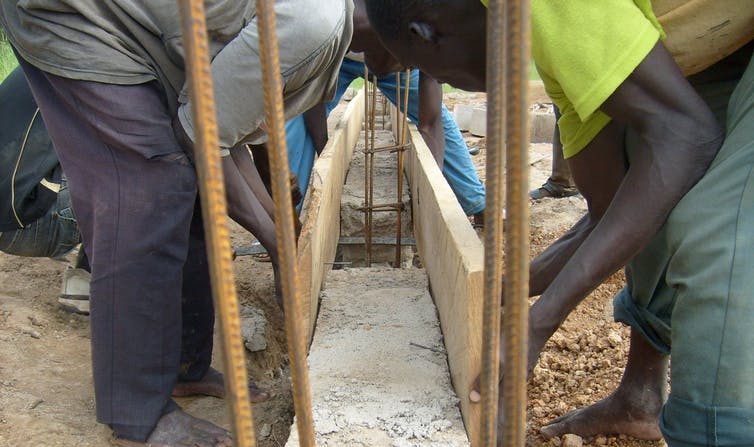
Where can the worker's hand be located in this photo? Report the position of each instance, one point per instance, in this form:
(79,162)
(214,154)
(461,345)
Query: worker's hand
(535,348)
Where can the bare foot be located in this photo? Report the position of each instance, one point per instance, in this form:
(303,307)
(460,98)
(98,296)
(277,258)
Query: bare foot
(212,385)
(620,413)
(180,429)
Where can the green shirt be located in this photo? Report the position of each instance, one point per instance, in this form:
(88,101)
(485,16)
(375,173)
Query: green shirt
(584,50)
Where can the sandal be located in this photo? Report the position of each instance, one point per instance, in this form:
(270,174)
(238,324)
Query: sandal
(552,190)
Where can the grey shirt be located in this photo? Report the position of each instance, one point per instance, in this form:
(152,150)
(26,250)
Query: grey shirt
(137,41)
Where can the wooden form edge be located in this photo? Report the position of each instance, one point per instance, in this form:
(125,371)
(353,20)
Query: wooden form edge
(453,256)
(318,241)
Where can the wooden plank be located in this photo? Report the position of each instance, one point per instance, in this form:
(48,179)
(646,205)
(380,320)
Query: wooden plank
(318,241)
(453,256)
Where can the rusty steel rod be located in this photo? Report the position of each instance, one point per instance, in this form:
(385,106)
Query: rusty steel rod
(493,218)
(401,156)
(214,212)
(516,308)
(368,159)
(285,233)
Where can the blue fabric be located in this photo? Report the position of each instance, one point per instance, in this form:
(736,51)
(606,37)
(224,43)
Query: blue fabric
(300,153)
(458,168)
(52,235)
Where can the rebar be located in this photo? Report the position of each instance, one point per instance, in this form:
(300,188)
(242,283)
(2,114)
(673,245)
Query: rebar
(368,171)
(401,154)
(493,231)
(285,232)
(516,308)
(214,212)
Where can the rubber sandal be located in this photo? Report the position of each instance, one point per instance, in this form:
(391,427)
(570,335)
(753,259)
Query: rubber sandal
(552,190)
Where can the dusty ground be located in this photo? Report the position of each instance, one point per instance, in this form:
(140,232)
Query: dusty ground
(46,397)
(584,360)
(45,380)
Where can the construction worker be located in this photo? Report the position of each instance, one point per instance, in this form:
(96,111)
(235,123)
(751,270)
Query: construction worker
(560,183)
(666,170)
(308,134)
(106,76)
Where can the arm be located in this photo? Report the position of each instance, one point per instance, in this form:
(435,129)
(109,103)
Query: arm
(430,116)
(681,138)
(242,158)
(598,170)
(315,120)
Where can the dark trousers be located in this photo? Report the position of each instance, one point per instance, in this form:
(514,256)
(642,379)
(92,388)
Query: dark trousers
(561,173)
(134,191)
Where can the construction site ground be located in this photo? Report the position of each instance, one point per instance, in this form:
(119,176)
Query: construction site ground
(46,396)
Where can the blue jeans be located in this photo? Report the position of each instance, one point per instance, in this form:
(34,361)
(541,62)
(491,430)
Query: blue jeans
(51,236)
(458,168)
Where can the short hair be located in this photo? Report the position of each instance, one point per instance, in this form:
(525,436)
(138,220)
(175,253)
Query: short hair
(389,17)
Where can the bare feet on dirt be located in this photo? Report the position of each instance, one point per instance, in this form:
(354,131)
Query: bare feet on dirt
(620,413)
(212,385)
(180,429)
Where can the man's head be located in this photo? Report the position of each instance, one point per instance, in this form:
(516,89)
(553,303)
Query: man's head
(365,40)
(444,38)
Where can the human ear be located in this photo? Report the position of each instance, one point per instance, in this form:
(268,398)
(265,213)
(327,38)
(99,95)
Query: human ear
(424,30)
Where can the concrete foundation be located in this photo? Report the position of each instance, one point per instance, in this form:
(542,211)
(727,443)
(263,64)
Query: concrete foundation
(378,366)
(385,191)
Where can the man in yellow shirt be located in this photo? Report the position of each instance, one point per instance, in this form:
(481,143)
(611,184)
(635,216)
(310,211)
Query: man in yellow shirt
(666,168)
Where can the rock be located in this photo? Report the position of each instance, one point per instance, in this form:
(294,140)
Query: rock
(264,431)
(600,440)
(572,441)
(614,339)
(253,329)
(32,333)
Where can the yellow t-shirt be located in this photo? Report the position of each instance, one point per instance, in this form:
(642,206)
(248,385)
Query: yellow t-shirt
(584,50)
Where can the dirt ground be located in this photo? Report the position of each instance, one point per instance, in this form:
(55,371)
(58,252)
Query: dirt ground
(46,396)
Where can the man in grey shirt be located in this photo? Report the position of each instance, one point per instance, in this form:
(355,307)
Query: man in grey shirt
(107,76)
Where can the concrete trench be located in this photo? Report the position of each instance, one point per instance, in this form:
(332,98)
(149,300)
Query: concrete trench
(378,366)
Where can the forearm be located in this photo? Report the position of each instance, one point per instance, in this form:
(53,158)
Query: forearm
(245,208)
(654,184)
(430,117)
(434,136)
(315,120)
(546,267)
(253,179)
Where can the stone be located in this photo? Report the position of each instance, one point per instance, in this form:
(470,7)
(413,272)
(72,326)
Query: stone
(570,440)
(478,125)
(265,431)
(614,338)
(462,114)
(253,329)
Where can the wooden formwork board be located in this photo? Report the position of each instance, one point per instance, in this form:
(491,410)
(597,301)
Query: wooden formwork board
(318,241)
(453,257)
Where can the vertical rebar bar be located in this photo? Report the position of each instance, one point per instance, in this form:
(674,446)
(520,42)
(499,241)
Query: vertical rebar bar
(368,171)
(493,232)
(214,212)
(401,156)
(285,232)
(516,308)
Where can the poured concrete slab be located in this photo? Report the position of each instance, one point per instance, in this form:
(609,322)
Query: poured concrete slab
(378,368)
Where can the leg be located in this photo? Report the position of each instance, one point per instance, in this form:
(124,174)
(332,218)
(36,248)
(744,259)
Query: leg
(196,377)
(300,153)
(633,408)
(712,398)
(127,173)
(459,169)
(560,184)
